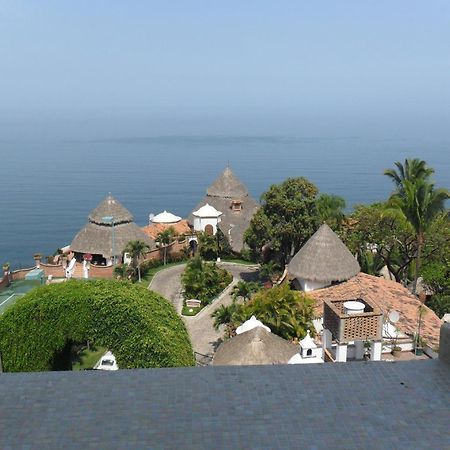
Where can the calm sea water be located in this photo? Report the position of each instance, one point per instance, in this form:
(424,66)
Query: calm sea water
(49,186)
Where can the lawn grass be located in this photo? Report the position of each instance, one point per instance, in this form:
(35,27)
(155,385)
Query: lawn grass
(88,358)
(154,270)
(185,311)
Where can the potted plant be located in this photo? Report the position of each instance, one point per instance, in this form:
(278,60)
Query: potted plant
(419,344)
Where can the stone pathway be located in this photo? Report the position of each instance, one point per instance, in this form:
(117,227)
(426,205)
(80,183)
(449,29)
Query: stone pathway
(205,339)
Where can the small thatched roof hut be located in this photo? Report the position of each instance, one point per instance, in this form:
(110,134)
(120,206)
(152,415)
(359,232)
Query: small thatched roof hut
(96,236)
(255,347)
(324,258)
(229,195)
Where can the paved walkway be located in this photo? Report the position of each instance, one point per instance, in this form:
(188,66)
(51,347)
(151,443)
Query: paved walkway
(205,339)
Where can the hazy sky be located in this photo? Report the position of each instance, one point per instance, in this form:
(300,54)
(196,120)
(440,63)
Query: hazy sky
(384,58)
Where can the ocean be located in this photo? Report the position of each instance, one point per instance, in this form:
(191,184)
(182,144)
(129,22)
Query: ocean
(49,186)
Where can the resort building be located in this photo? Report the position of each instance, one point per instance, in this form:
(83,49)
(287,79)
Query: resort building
(109,229)
(207,219)
(324,260)
(164,221)
(230,197)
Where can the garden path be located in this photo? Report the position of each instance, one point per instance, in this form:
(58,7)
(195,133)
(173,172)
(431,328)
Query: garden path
(205,339)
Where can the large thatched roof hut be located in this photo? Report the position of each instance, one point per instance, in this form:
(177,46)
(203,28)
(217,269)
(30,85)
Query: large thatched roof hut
(97,236)
(255,347)
(324,259)
(228,195)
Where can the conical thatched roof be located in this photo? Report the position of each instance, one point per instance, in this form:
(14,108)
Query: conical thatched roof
(110,207)
(227,185)
(96,236)
(324,258)
(255,347)
(221,194)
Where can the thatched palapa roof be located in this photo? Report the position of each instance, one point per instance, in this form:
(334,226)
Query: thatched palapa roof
(96,236)
(222,192)
(110,207)
(227,185)
(324,258)
(255,347)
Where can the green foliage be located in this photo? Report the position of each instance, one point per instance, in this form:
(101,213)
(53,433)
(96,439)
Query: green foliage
(209,247)
(245,289)
(331,210)
(376,232)
(287,312)
(204,280)
(140,327)
(417,200)
(287,218)
(136,249)
(436,275)
(165,238)
(269,270)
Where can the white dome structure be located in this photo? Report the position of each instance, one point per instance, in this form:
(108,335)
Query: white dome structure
(207,211)
(251,323)
(165,217)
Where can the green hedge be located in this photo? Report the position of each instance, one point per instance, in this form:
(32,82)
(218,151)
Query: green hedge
(139,326)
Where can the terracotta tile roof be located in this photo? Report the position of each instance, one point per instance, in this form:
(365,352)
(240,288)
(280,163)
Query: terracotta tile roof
(154,229)
(387,295)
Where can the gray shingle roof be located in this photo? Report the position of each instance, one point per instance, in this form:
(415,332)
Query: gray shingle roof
(370,405)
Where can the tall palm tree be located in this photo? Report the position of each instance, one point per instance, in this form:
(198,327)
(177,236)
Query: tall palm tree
(417,200)
(412,170)
(331,210)
(165,238)
(137,249)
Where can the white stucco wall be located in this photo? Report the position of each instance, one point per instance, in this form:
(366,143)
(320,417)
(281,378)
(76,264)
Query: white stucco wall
(201,222)
(309,285)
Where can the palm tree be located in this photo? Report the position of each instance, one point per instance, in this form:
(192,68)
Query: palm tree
(136,249)
(164,238)
(244,289)
(331,210)
(412,170)
(417,200)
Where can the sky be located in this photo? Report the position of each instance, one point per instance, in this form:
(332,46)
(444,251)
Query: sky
(385,63)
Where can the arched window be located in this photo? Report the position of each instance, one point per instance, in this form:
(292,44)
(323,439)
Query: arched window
(309,352)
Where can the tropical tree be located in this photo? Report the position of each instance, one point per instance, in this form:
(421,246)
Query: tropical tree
(287,218)
(164,239)
(203,280)
(287,312)
(331,210)
(420,203)
(412,170)
(136,250)
(244,289)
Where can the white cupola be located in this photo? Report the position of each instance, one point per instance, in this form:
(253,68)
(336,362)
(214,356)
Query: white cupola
(165,217)
(309,352)
(206,219)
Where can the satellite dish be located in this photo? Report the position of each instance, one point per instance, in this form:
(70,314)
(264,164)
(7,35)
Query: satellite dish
(394,316)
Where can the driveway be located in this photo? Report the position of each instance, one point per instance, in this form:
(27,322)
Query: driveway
(205,339)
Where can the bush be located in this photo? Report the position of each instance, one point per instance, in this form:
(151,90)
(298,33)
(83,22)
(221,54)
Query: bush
(140,327)
(204,280)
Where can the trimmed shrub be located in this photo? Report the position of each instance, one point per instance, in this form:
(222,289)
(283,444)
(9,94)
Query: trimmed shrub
(140,327)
